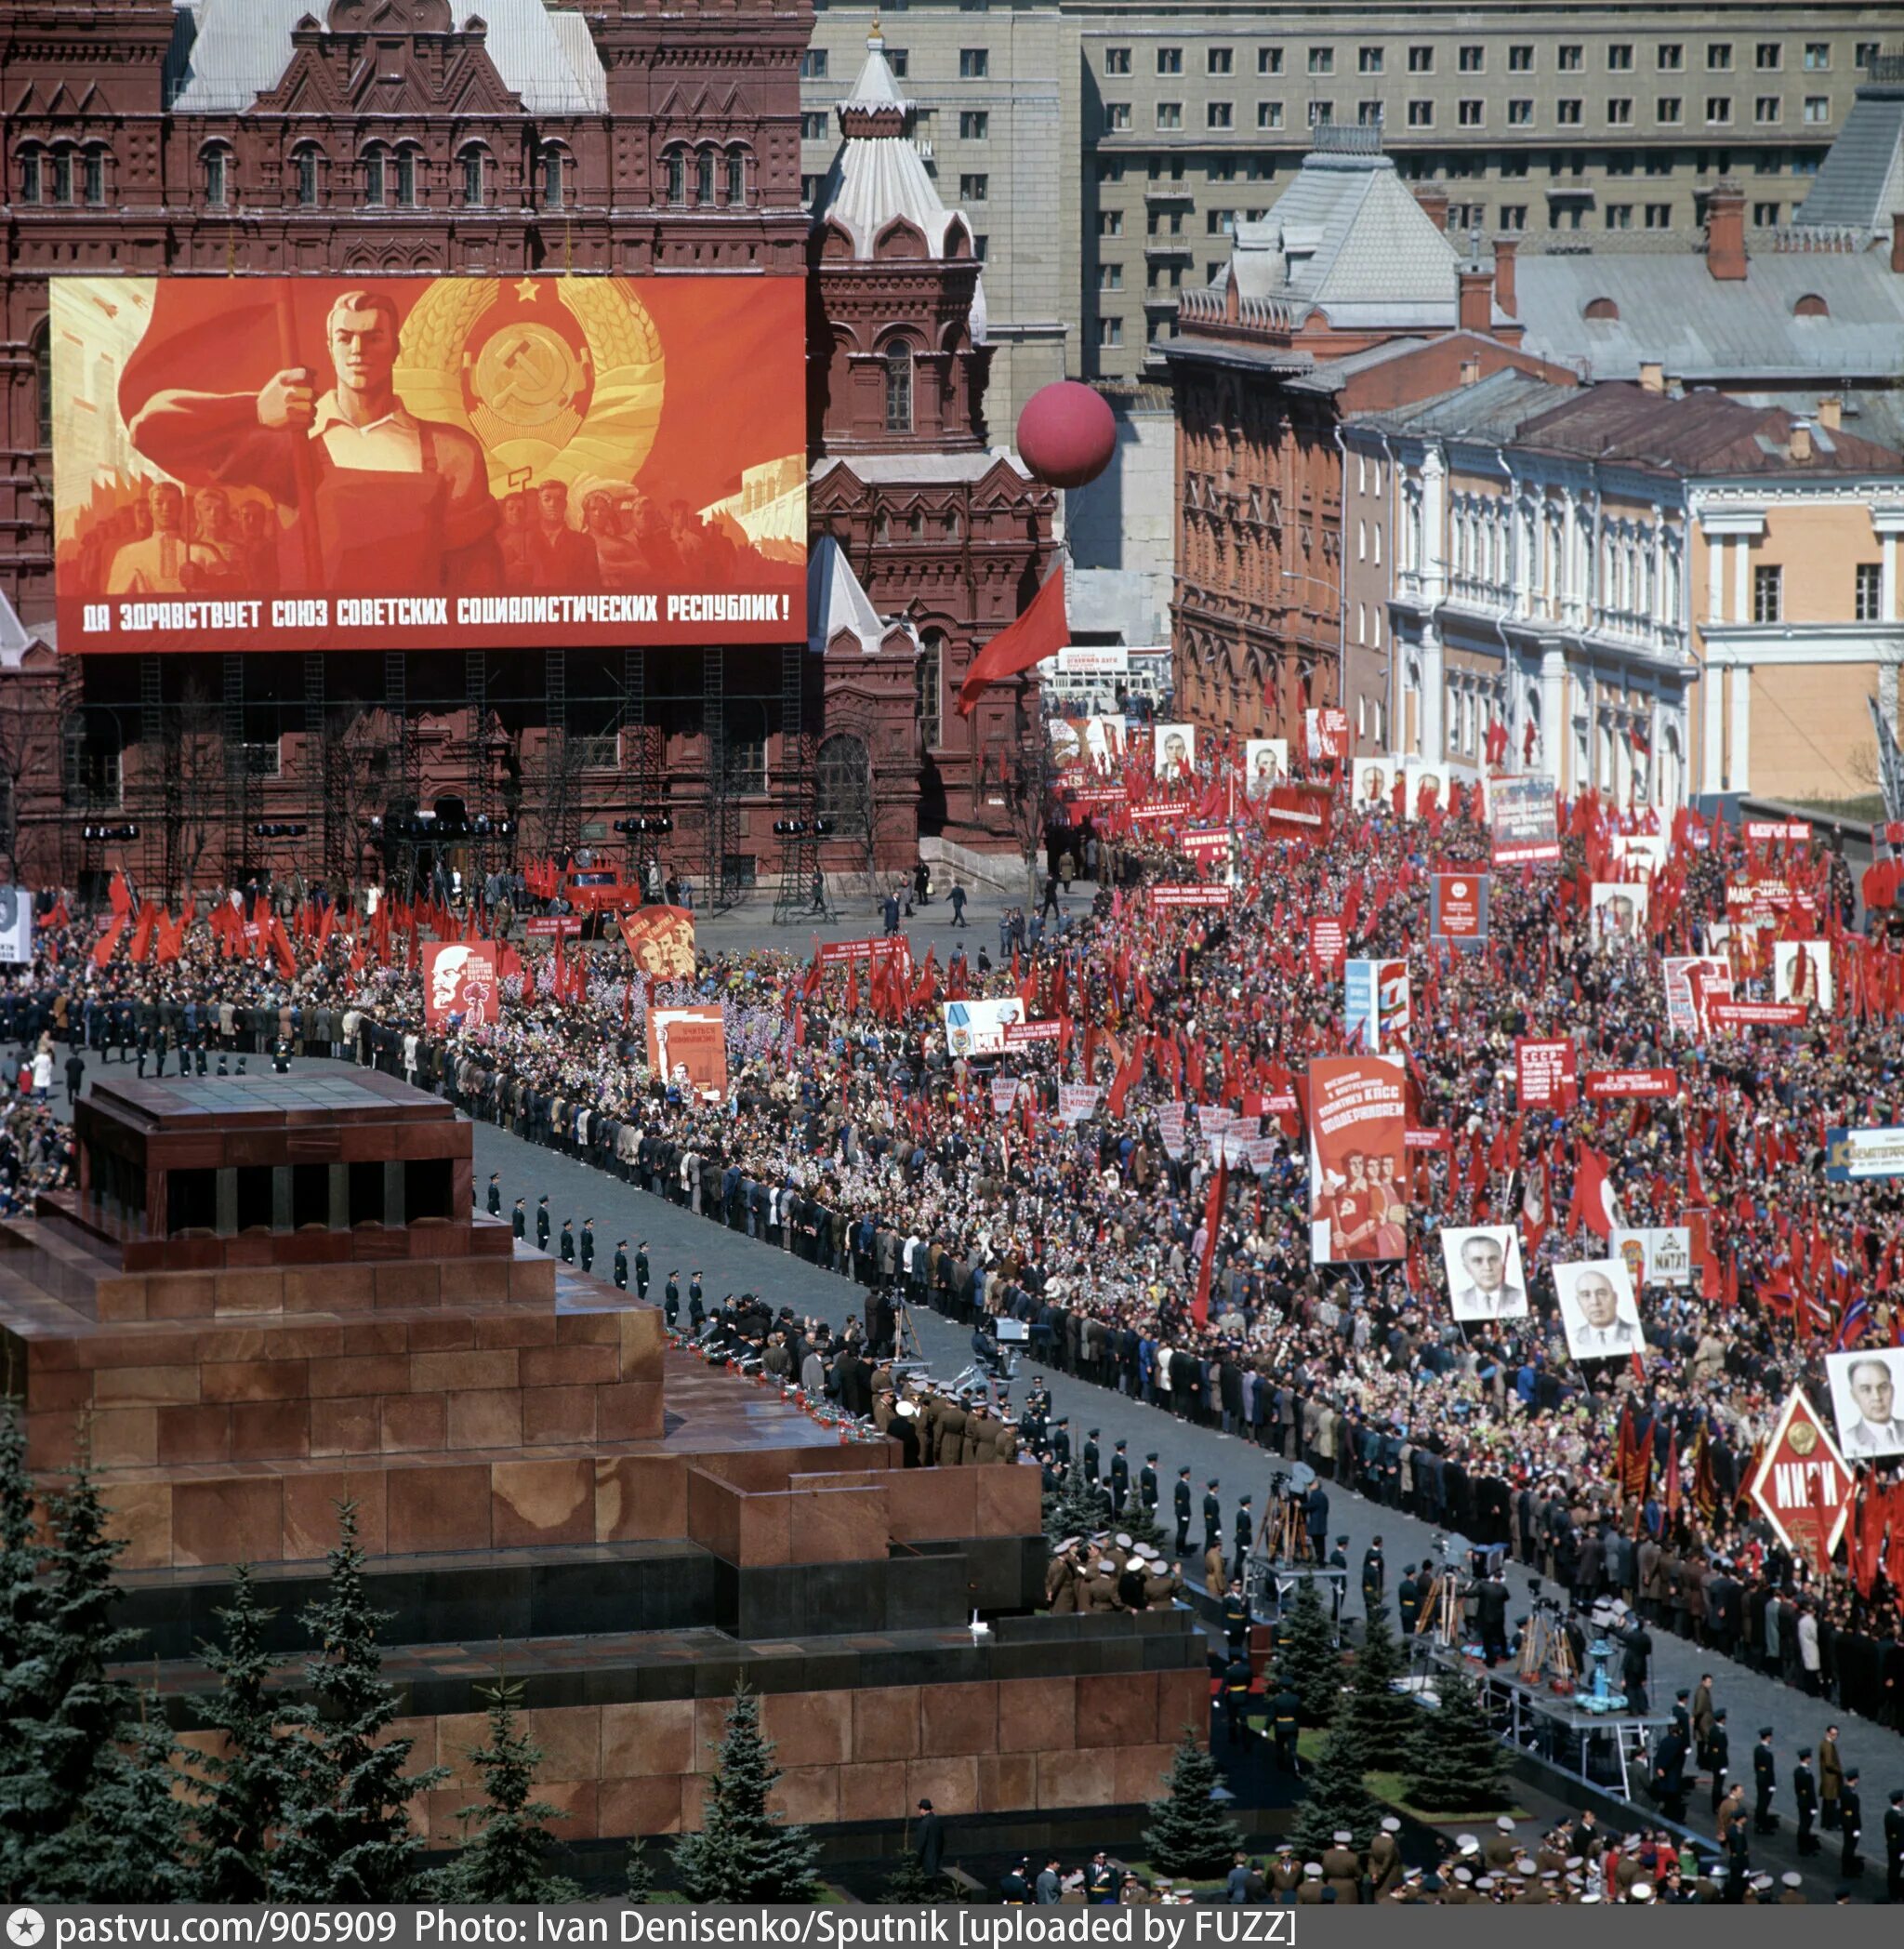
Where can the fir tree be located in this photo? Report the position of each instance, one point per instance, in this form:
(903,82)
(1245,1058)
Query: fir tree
(1382,1720)
(348,1836)
(1335,1799)
(132,1837)
(908,1886)
(744,1852)
(22,1605)
(1456,1764)
(1076,1508)
(641,1873)
(246,1787)
(1311,1664)
(1189,1832)
(506,1861)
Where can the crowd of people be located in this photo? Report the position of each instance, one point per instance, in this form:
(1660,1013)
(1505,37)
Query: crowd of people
(851,1136)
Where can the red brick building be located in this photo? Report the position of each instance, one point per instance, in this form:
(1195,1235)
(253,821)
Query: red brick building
(237,137)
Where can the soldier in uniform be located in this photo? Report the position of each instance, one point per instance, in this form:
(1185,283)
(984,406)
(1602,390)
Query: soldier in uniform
(621,1265)
(1718,1755)
(587,1244)
(670,1299)
(1309,1889)
(1285,1720)
(1091,1459)
(1805,1799)
(1793,1891)
(1830,1779)
(1245,1534)
(1408,1599)
(1893,1847)
(1120,1479)
(1061,1441)
(1338,1586)
(1384,1864)
(520,1219)
(1851,1820)
(1237,1617)
(641,1270)
(1499,1852)
(542,1223)
(496,1194)
(1374,1578)
(1181,1505)
(1146,1485)
(568,1242)
(1212,1517)
(1284,1875)
(1237,1679)
(1340,1870)
(1764,1781)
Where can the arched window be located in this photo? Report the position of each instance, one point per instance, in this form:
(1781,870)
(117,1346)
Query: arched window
(676,164)
(43,383)
(305,164)
(552,178)
(736,177)
(62,176)
(375,177)
(899,388)
(746,729)
(218,176)
(703,177)
(472,177)
(32,175)
(845,793)
(1811,306)
(93,168)
(406,179)
(926,676)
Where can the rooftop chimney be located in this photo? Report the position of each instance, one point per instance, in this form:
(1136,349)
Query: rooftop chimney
(1471,372)
(1474,305)
(1831,410)
(1652,376)
(1798,444)
(1898,242)
(1433,199)
(1726,233)
(1505,249)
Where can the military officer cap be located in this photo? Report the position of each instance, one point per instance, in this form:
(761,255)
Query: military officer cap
(1341,1542)
(1762,1880)
(1804,1751)
(1764,1732)
(1431,1884)
(1211,1483)
(1575,1862)
(1090,1434)
(1549,1874)
(1793,1878)
(1684,1692)
(1391,1826)
(1487,1881)
(1152,1456)
(1342,1837)
(1467,1844)
(1313,1870)
(1464,1874)
(1643,1892)
(1523,1867)
(1585,1899)
(1504,1822)
(1285,1848)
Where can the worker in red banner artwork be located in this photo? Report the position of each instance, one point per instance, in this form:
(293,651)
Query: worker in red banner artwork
(399,504)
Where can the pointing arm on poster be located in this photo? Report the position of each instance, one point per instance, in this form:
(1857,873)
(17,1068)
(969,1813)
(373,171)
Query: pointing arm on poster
(287,399)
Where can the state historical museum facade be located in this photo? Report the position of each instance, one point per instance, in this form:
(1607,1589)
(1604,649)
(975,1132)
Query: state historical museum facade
(390,138)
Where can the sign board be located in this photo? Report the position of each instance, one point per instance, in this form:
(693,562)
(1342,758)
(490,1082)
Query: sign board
(1458,908)
(1375,1003)
(462,980)
(1605,1085)
(1020,1035)
(1802,1483)
(1092,662)
(524,461)
(692,1042)
(1545,1072)
(1077,1101)
(1329,941)
(1191,896)
(1756,1014)
(1853,1155)
(552,927)
(1655,1256)
(1521,820)
(660,941)
(977,1028)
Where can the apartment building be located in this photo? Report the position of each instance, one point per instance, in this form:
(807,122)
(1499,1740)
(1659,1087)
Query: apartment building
(1117,144)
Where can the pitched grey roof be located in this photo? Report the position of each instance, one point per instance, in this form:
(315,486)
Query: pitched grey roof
(237,48)
(1861,180)
(876,178)
(836,600)
(1492,408)
(1673,311)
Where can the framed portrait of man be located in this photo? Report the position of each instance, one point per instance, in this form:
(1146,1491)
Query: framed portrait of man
(1866,1391)
(1597,1310)
(1485,1279)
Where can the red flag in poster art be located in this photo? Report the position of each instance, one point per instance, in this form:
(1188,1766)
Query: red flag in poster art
(1803,1485)
(464,979)
(1358,1158)
(1544,1068)
(1326,734)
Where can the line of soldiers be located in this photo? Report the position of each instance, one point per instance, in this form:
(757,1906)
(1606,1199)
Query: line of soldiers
(1110,1573)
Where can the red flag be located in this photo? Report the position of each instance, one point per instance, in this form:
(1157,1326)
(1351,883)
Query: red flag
(1041,632)
(1592,1194)
(1212,1223)
(120,894)
(107,942)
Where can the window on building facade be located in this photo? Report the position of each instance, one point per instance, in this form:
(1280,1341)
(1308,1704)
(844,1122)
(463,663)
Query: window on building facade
(975,64)
(1420,114)
(1719,57)
(1217,114)
(1620,215)
(1670,57)
(1865,56)
(677,172)
(1216,60)
(1368,61)
(1768,56)
(1567,111)
(1269,114)
(975,125)
(1169,61)
(1765,215)
(1269,61)
(814,125)
(1768,107)
(1110,277)
(1514,216)
(1116,60)
(927,676)
(1110,331)
(93,170)
(1718,110)
(1658,216)
(1818,108)
(845,785)
(1620,58)
(1110,223)
(1619,111)
(1322,61)
(1768,594)
(1170,115)
(1817,57)
(1868,592)
(43,385)
(899,388)
(1669,109)
(374,179)
(813,64)
(974,189)
(1321,115)
(406,179)
(1420,61)
(1570,56)
(737,179)
(703,177)
(217,179)
(305,162)
(1469,114)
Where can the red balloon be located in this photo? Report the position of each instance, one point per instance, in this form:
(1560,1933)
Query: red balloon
(1066,434)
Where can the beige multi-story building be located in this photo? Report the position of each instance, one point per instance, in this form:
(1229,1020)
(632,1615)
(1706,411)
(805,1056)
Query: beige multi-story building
(1117,144)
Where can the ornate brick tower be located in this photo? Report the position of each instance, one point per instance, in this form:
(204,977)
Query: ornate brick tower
(931,540)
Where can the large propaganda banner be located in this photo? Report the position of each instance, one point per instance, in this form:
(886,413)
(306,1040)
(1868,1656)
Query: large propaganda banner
(1545,1072)
(660,941)
(1375,1003)
(1521,815)
(1358,1158)
(405,463)
(1801,1481)
(1458,908)
(690,1043)
(462,982)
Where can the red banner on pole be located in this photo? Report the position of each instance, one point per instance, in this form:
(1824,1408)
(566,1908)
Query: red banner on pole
(1603,1085)
(1545,1072)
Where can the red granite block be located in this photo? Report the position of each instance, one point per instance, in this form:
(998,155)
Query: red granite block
(640,1497)
(226,1346)
(1007,1501)
(147,1386)
(1117,1709)
(348,1425)
(643,1343)
(710,1729)
(440,1508)
(570,1737)
(1007,1782)
(1183,1702)
(958,1719)
(532,1278)
(1138,1773)
(765,1535)
(310,1515)
(885,1722)
(56,1391)
(413,1422)
(585,1329)
(258,1291)
(1075,1779)
(236,1519)
(435,1336)
(180,1296)
(408,1283)
(307,1340)
(694,1800)
(931,1503)
(429,1372)
(338,1289)
(951,1784)
(647,1737)
(53,1440)
(458,1735)
(142,1513)
(254,1380)
(519,1328)
(871,1791)
(360,1373)
(809,1728)
(625,1808)
(543,1502)
(807,1794)
(630,1411)
(194,1434)
(838,1525)
(568,1366)
(119,1299)
(482,1280)
(714,1514)
(1037,1713)
(270,1429)
(575,1804)
(552,1415)
(125,1437)
(442,1826)
(487,1417)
